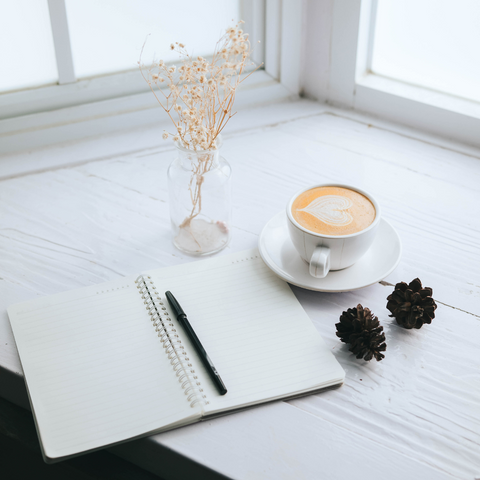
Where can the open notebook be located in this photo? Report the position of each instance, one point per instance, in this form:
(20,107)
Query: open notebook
(101,369)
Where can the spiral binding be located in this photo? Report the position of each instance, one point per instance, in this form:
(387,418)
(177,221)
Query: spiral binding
(171,342)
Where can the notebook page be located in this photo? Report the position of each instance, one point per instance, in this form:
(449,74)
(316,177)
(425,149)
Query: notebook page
(257,334)
(95,369)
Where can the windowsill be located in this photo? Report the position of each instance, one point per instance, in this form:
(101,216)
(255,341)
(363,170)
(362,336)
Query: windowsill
(146,138)
(68,227)
(141,110)
(422,109)
(421,95)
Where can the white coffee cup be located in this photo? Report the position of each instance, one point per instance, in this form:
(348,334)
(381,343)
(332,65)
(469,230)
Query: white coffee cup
(331,252)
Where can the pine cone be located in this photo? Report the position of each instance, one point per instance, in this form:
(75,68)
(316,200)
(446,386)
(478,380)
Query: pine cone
(359,327)
(412,305)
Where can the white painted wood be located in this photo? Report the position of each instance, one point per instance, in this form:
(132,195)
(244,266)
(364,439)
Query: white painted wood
(301,446)
(273,22)
(351,83)
(413,415)
(405,130)
(372,11)
(434,112)
(80,103)
(365,38)
(109,108)
(341,88)
(61,41)
(131,111)
(292,18)
(417,107)
(42,117)
(145,139)
(316,67)
(253,14)
(85,91)
(54,97)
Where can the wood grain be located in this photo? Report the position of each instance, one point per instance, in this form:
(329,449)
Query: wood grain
(416,413)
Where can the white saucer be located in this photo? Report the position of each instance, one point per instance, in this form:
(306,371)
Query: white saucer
(278,252)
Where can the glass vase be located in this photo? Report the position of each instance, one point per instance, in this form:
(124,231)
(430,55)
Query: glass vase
(200,200)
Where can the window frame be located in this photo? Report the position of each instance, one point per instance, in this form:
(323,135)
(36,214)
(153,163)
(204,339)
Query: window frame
(353,85)
(72,110)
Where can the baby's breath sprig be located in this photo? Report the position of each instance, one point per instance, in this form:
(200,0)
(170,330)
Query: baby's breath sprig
(200,94)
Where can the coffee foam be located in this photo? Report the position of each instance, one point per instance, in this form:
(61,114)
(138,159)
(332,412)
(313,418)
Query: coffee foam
(333,211)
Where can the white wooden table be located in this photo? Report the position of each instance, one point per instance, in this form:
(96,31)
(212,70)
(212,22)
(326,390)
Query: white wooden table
(98,209)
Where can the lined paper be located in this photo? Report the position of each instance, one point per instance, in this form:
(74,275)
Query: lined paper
(96,371)
(258,336)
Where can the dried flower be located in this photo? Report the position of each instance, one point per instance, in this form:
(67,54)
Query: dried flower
(211,87)
(202,93)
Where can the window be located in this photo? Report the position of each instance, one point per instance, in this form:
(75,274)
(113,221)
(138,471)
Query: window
(95,38)
(26,63)
(85,51)
(414,62)
(92,84)
(429,43)
(107,36)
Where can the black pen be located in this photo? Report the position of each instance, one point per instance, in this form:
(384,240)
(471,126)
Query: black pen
(182,318)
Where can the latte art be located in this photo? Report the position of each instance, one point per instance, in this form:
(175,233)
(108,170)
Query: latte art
(333,210)
(330,209)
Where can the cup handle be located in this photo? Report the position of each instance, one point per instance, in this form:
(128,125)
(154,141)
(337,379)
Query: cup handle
(320,262)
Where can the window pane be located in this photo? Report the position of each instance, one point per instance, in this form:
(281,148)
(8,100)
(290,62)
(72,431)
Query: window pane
(107,35)
(27,55)
(431,43)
